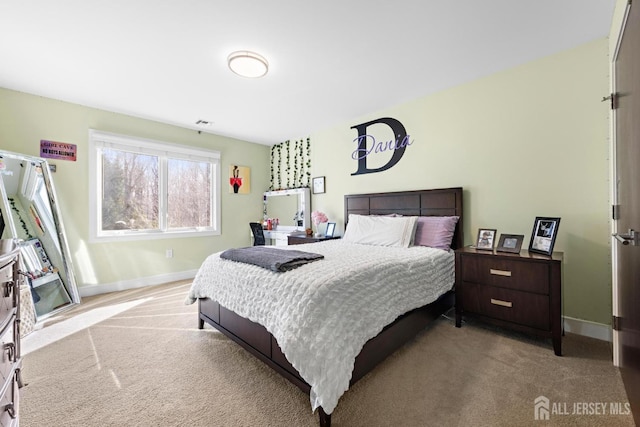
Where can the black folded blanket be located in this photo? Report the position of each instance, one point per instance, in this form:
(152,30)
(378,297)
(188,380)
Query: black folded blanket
(278,260)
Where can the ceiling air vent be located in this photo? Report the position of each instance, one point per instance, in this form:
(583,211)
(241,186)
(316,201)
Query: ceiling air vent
(203,123)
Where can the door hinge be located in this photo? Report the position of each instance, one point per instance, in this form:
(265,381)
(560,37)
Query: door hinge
(615,211)
(614,100)
(616,323)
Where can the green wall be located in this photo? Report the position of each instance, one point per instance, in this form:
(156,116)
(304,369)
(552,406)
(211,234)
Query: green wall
(526,142)
(26,119)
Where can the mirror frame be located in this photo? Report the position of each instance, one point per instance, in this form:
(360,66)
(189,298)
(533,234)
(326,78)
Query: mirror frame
(304,204)
(71,286)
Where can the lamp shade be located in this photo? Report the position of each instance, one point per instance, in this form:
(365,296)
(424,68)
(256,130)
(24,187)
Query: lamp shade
(248,64)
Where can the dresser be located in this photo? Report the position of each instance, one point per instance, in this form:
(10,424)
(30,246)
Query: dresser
(302,238)
(11,362)
(519,291)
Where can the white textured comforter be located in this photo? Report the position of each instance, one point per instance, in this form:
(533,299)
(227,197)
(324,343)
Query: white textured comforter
(323,313)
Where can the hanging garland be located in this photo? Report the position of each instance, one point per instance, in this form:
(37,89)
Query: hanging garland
(295,166)
(308,162)
(271,183)
(300,176)
(22,223)
(286,146)
(302,165)
(279,182)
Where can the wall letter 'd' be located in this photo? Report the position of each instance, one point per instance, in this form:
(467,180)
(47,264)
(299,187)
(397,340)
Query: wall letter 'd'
(398,146)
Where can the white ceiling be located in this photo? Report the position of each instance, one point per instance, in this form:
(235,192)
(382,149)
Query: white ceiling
(330,61)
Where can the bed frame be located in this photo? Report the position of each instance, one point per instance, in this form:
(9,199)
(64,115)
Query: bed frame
(259,342)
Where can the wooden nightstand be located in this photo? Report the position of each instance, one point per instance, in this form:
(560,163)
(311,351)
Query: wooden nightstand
(303,238)
(520,291)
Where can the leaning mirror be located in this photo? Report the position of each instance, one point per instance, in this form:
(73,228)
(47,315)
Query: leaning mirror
(29,214)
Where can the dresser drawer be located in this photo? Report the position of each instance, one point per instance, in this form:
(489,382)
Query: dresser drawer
(6,272)
(8,356)
(509,305)
(9,403)
(7,297)
(506,273)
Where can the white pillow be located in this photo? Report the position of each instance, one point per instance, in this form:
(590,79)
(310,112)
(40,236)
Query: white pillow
(381,230)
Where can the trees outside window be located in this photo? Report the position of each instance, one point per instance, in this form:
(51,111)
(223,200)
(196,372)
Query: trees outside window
(147,188)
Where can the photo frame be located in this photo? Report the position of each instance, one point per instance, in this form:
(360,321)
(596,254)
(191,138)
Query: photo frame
(510,243)
(331,228)
(486,238)
(318,185)
(543,235)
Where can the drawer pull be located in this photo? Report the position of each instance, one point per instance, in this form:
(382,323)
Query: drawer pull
(502,303)
(10,348)
(500,272)
(11,410)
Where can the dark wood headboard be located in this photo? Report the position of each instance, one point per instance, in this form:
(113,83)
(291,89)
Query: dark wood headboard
(439,202)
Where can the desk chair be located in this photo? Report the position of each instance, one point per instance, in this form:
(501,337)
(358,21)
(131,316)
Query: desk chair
(258,235)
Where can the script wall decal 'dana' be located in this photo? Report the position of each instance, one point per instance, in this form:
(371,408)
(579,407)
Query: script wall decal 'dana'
(369,146)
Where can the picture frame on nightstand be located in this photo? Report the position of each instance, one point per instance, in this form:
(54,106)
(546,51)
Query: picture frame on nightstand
(486,238)
(543,235)
(510,243)
(331,228)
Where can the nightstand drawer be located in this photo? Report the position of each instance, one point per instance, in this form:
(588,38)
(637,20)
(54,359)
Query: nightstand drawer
(505,304)
(299,240)
(518,275)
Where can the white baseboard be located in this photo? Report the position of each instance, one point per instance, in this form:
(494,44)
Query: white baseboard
(90,290)
(588,329)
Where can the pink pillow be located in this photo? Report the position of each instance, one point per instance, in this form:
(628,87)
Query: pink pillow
(435,231)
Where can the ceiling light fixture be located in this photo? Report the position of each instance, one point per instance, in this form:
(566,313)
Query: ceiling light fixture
(248,64)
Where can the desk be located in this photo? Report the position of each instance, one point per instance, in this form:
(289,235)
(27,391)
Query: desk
(277,237)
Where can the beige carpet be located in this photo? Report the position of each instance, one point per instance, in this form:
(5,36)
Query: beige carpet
(150,366)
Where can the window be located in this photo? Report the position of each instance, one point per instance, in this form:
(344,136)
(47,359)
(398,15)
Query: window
(144,189)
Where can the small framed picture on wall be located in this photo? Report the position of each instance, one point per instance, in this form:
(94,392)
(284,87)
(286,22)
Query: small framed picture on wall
(318,185)
(486,237)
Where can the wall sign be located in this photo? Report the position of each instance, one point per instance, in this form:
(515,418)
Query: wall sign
(58,150)
(368,145)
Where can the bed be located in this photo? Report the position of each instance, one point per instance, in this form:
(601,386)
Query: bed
(253,306)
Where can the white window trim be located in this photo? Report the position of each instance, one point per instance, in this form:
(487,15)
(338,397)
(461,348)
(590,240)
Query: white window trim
(99,139)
